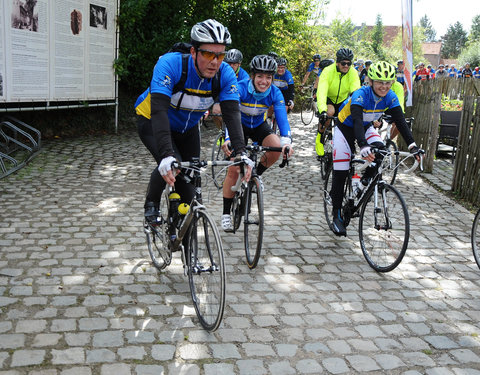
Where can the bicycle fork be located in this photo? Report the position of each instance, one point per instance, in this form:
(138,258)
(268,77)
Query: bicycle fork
(378,210)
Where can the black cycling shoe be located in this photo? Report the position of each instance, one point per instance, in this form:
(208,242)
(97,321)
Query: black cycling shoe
(338,228)
(151,212)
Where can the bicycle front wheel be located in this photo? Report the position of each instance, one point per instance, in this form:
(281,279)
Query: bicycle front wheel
(476,238)
(384,228)
(206,270)
(158,236)
(326,160)
(389,163)
(306,111)
(218,173)
(253,222)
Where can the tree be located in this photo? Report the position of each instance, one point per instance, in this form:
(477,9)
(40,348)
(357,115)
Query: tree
(377,37)
(453,41)
(430,33)
(471,54)
(474,35)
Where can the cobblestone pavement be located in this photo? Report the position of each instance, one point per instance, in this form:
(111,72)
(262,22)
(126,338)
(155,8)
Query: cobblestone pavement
(78,295)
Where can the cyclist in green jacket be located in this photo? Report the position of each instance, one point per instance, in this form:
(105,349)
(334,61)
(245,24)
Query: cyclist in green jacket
(335,84)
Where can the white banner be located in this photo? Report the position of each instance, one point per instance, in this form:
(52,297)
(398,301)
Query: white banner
(57,50)
(407,40)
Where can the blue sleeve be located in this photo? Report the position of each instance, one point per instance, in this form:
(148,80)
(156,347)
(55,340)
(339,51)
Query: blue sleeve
(280,112)
(228,83)
(392,100)
(310,67)
(319,72)
(242,74)
(289,77)
(166,74)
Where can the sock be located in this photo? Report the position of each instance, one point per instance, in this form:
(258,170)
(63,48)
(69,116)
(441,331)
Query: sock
(227,205)
(260,169)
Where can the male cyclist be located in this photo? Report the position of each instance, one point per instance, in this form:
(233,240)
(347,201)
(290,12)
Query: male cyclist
(168,115)
(313,67)
(233,58)
(256,96)
(335,84)
(355,117)
(284,81)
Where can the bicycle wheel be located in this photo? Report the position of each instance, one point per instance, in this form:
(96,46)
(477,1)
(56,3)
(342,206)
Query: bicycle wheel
(206,270)
(218,173)
(384,230)
(389,163)
(326,161)
(253,222)
(306,111)
(158,237)
(476,238)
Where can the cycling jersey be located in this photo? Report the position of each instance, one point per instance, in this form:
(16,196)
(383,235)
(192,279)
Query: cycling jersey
(476,73)
(242,74)
(254,112)
(189,105)
(422,74)
(397,88)
(452,72)
(335,86)
(313,68)
(467,73)
(400,76)
(285,84)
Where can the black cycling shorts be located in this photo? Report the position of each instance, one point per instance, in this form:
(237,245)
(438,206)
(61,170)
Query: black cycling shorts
(257,134)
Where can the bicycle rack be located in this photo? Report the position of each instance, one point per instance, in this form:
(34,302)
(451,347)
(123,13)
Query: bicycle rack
(19,143)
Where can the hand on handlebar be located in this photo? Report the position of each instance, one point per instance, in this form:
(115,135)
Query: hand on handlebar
(248,165)
(165,169)
(367,153)
(227,147)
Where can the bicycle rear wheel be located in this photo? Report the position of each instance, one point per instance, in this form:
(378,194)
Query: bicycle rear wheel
(158,237)
(306,111)
(476,238)
(389,163)
(384,230)
(206,270)
(253,222)
(217,154)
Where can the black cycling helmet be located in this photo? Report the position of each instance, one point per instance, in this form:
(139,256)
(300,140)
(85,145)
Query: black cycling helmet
(263,64)
(316,57)
(399,62)
(344,54)
(233,56)
(368,62)
(382,71)
(210,32)
(282,61)
(273,54)
(326,62)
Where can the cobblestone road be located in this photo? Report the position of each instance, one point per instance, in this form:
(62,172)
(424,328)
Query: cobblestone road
(78,295)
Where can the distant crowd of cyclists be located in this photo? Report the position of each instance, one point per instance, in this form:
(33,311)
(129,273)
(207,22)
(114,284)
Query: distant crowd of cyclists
(184,86)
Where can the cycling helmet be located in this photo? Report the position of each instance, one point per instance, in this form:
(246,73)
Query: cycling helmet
(273,54)
(399,62)
(233,56)
(316,57)
(263,64)
(344,54)
(326,62)
(210,31)
(282,61)
(382,71)
(368,62)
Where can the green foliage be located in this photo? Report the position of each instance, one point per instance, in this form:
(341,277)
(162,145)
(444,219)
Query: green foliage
(377,38)
(395,51)
(474,35)
(429,31)
(471,54)
(453,41)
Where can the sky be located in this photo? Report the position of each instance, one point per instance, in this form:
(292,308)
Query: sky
(441,15)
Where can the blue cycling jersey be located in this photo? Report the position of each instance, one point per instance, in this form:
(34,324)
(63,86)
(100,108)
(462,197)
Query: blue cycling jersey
(312,68)
(284,80)
(242,74)
(254,112)
(373,105)
(186,106)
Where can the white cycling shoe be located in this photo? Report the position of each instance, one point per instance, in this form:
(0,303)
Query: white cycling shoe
(227,224)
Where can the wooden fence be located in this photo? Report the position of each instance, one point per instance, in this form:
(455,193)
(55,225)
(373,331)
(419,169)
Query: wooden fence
(426,110)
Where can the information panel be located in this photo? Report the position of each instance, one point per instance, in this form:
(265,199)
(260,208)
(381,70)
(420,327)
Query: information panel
(57,50)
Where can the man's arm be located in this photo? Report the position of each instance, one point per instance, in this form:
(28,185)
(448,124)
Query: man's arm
(161,124)
(231,116)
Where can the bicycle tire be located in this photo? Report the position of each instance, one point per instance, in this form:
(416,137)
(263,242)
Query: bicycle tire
(384,241)
(217,154)
(390,163)
(158,237)
(306,111)
(476,238)
(253,222)
(326,161)
(206,270)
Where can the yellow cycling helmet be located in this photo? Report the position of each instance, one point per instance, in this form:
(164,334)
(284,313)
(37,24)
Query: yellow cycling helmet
(382,71)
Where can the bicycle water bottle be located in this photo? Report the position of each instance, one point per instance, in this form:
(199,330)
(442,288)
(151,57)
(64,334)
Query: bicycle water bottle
(357,186)
(182,211)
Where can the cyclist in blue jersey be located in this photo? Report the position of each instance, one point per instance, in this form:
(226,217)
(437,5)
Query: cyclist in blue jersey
(355,117)
(256,96)
(168,115)
(233,58)
(400,72)
(313,67)
(283,79)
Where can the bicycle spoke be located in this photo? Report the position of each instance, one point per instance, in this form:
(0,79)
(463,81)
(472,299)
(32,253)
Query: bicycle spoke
(253,222)
(206,271)
(384,229)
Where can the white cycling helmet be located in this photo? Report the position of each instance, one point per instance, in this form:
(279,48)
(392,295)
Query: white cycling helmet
(263,64)
(210,32)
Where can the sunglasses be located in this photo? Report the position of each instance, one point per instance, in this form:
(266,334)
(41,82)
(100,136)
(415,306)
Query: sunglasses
(210,55)
(383,83)
(345,63)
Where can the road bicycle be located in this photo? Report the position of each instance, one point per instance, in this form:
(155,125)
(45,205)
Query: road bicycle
(217,154)
(476,238)
(191,230)
(384,225)
(309,106)
(326,138)
(248,203)
(391,160)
